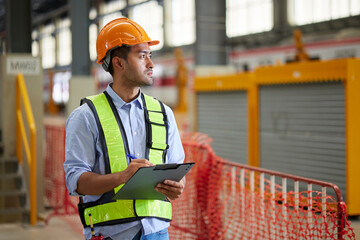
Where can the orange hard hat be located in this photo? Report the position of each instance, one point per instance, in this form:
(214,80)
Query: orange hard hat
(118,32)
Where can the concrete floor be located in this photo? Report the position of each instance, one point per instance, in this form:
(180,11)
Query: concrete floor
(60,228)
(355,224)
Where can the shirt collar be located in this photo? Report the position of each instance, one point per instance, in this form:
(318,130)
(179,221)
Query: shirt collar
(118,100)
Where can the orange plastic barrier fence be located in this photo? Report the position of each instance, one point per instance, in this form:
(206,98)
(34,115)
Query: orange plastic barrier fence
(56,194)
(225,200)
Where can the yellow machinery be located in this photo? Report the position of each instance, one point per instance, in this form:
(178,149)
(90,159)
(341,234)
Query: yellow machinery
(51,106)
(181,108)
(301,54)
(181,81)
(301,118)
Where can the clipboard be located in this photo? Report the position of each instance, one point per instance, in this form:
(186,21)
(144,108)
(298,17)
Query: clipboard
(142,184)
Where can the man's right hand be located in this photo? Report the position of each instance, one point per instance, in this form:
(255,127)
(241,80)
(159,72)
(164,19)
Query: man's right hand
(90,183)
(134,165)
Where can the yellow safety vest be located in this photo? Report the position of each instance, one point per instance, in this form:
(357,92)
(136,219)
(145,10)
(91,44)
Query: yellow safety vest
(106,211)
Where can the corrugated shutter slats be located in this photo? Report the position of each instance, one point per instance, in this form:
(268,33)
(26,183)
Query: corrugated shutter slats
(302,130)
(223,116)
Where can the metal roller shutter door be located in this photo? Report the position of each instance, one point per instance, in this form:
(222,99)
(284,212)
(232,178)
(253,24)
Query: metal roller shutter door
(223,116)
(302,130)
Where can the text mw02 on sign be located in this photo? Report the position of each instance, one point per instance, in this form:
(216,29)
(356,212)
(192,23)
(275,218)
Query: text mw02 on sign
(27,65)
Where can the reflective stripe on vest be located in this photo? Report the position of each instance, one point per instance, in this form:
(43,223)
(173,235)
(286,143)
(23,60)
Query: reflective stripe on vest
(106,211)
(156,128)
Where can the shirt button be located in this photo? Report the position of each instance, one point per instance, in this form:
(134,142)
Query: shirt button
(138,154)
(135,133)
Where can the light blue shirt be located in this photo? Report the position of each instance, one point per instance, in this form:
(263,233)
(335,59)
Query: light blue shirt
(83,153)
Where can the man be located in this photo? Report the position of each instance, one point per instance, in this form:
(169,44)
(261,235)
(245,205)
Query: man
(107,128)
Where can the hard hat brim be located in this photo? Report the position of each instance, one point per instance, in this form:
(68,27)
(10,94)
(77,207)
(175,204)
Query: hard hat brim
(154,42)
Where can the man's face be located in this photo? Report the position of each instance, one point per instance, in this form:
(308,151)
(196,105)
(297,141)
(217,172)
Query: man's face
(139,67)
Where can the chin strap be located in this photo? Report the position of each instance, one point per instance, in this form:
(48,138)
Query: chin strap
(107,61)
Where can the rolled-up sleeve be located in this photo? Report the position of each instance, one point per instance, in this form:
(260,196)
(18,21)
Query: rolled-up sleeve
(79,146)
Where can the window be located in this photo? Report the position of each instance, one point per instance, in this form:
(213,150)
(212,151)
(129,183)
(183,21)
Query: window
(248,16)
(310,11)
(180,20)
(61,87)
(149,16)
(108,18)
(48,46)
(111,11)
(93,32)
(64,52)
(35,43)
(136,1)
(113,6)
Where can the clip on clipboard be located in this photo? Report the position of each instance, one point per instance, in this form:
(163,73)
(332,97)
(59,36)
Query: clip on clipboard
(142,184)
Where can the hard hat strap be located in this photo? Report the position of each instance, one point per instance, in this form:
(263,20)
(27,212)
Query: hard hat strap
(108,57)
(107,61)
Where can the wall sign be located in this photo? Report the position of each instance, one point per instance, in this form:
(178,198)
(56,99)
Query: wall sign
(26,65)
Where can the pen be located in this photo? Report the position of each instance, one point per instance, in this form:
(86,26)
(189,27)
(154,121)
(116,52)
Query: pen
(91,226)
(131,156)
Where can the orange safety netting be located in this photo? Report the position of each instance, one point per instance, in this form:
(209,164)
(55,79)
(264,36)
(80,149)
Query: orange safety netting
(56,194)
(223,200)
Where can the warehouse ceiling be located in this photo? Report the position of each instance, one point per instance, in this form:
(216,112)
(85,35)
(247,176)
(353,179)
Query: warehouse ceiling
(44,6)
(39,7)
(44,10)
(2,17)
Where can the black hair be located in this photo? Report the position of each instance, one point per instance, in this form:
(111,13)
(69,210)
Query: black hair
(121,52)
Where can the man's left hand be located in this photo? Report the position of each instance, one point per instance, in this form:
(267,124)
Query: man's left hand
(171,189)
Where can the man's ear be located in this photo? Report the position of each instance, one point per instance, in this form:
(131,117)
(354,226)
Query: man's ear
(118,63)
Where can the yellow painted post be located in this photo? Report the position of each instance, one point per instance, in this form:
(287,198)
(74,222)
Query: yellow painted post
(33,187)
(253,124)
(352,91)
(21,91)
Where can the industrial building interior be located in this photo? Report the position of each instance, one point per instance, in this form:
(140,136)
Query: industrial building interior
(272,83)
